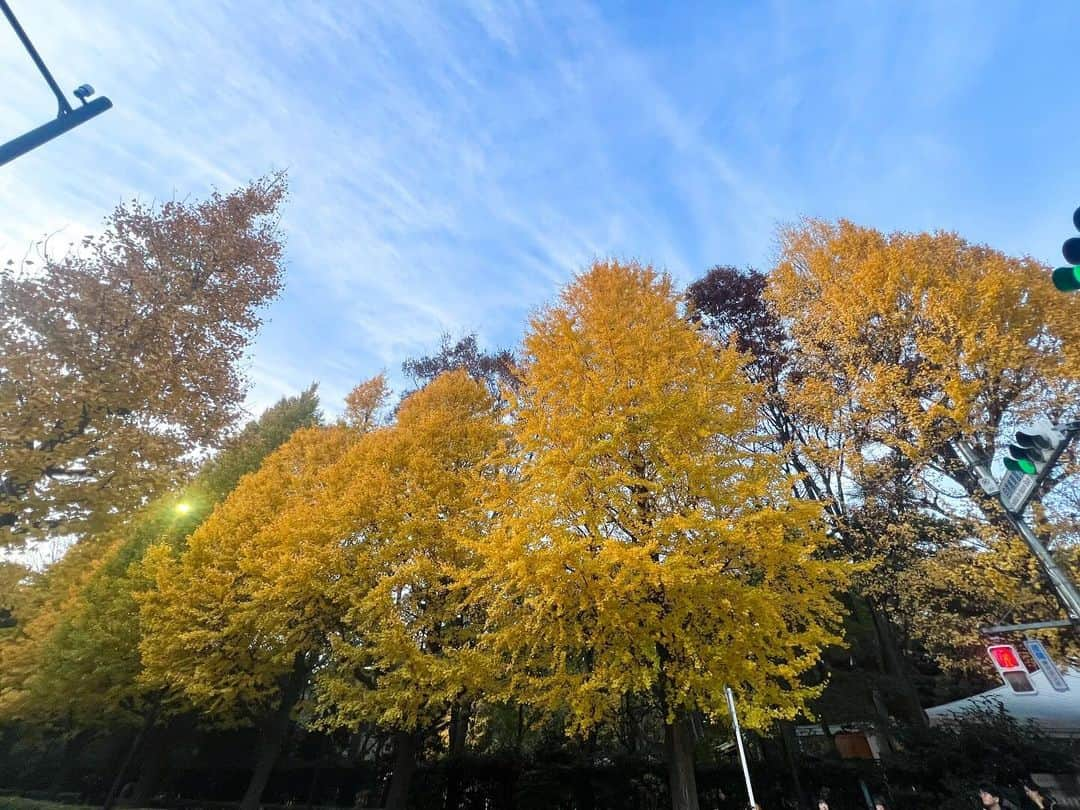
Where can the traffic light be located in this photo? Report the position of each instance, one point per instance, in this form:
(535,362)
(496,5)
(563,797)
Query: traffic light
(1035,449)
(1067,278)
(1030,458)
(1012,670)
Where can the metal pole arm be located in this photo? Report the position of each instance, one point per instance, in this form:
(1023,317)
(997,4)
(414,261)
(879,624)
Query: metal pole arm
(66,117)
(1063,587)
(65,107)
(46,132)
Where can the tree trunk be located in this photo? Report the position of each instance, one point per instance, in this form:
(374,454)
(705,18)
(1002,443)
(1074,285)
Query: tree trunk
(894,665)
(460,716)
(789,742)
(584,794)
(584,791)
(121,775)
(883,720)
(459,730)
(679,750)
(272,735)
(72,749)
(150,768)
(519,738)
(628,726)
(397,792)
(313,785)
(145,731)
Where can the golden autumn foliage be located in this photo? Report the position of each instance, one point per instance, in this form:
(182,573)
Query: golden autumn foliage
(39,609)
(76,659)
(896,345)
(226,621)
(404,503)
(640,548)
(908,340)
(337,563)
(633,517)
(363,403)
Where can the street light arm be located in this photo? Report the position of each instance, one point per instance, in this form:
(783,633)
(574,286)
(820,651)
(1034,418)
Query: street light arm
(46,132)
(65,107)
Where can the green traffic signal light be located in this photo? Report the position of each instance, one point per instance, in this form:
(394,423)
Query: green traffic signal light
(1067,279)
(1020,465)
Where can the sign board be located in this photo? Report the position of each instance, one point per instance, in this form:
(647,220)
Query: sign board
(1046,664)
(1016,489)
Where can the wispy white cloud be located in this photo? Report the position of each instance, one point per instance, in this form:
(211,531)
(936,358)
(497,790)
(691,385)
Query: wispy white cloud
(452,165)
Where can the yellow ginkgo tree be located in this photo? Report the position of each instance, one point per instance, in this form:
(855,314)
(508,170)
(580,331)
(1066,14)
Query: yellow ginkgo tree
(236,623)
(900,343)
(405,503)
(894,347)
(640,548)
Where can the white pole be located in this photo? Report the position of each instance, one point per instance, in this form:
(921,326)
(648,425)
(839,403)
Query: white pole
(738,742)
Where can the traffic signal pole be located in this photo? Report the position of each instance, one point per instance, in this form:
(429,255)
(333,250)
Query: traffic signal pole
(1063,587)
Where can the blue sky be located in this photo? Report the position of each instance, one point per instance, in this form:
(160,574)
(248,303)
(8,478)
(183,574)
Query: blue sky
(453,163)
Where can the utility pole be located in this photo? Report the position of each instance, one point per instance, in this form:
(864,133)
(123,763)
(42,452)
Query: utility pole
(67,117)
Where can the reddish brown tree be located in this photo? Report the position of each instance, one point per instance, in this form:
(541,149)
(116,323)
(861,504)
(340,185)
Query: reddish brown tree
(118,358)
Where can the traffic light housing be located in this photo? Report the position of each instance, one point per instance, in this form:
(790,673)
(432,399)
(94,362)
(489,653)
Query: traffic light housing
(1067,278)
(1030,459)
(1035,449)
(1011,668)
